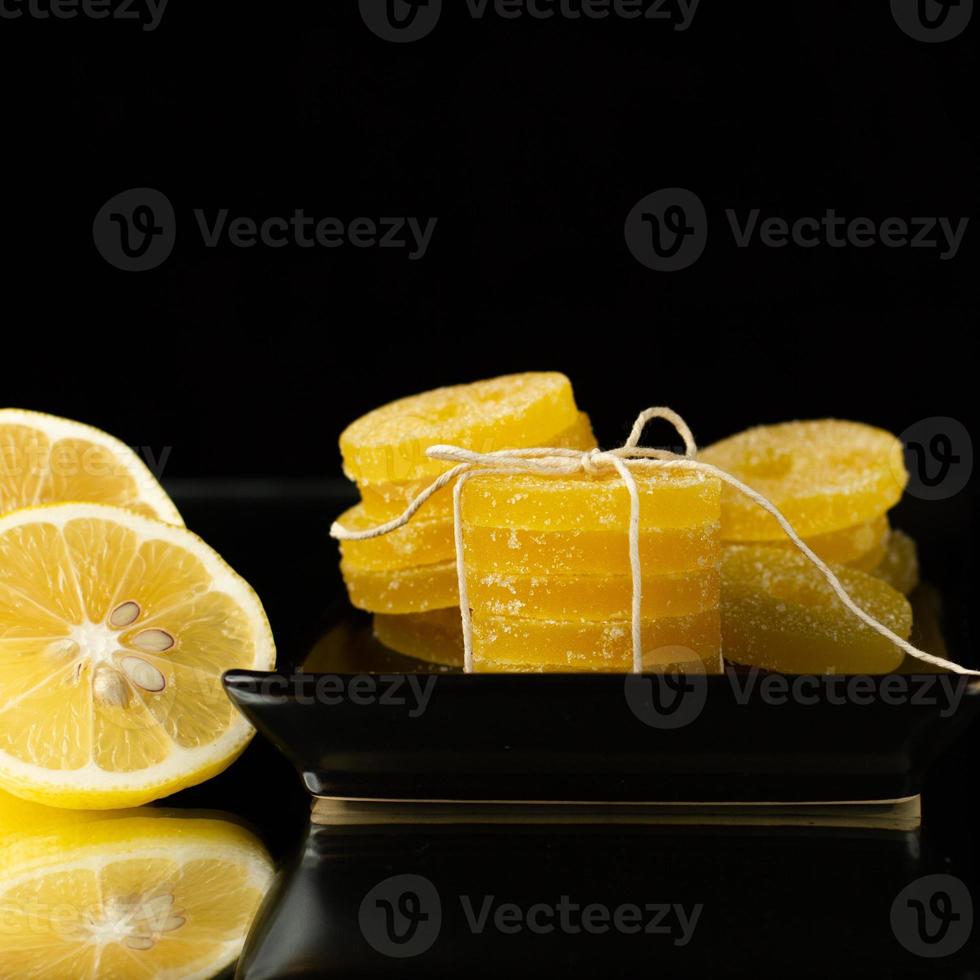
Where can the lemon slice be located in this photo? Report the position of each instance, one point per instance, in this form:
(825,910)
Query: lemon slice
(147,895)
(46,460)
(114,632)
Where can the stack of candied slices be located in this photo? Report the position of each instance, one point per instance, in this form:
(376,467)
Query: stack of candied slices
(408,578)
(546,557)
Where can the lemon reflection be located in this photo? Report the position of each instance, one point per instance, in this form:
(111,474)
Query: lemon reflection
(143,893)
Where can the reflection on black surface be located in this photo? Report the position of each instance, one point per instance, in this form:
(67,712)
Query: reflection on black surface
(135,893)
(349,647)
(402,891)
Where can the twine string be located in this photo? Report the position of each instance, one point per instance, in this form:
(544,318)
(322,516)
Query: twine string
(623,461)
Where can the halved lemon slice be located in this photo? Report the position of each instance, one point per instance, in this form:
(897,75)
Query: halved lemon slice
(147,895)
(114,632)
(46,460)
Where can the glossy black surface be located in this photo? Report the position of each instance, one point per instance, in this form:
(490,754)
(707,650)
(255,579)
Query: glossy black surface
(786,901)
(576,737)
(776,901)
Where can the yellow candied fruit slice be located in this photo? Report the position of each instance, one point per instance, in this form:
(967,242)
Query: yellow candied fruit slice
(384,501)
(870,560)
(504,551)
(668,499)
(503,643)
(823,475)
(899,566)
(516,552)
(779,613)
(435,637)
(389,443)
(403,590)
(423,541)
(861,546)
(591,597)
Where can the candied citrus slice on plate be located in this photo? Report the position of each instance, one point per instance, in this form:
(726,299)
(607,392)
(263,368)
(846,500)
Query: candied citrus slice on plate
(402,590)
(389,443)
(780,613)
(383,501)
(899,566)
(148,894)
(823,475)
(115,630)
(46,460)
(436,637)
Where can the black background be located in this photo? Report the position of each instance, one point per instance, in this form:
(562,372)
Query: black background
(530,141)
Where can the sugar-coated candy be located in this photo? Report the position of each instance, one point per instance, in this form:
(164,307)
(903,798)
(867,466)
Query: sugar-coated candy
(404,590)
(507,643)
(668,499)
(436,637)
(899,566)
(861,546)
(384,501)
(422,541)
(591,597)
(511,551)
(822,475)
(779,613)
(389,443)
